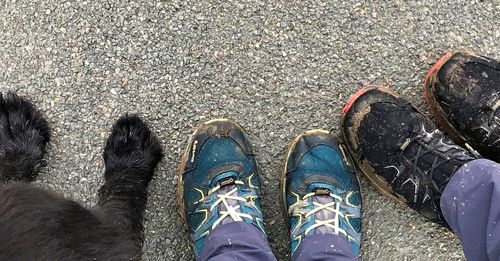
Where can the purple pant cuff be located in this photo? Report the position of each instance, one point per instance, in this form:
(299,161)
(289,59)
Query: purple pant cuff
(471,206)
(236,241)
(324,247)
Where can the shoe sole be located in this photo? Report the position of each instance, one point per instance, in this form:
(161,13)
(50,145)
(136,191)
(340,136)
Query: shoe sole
(184,159)
(436,110)
(284,166)
(381,185)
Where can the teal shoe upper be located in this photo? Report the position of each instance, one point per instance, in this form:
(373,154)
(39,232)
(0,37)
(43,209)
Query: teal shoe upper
(220,183)
(321,190)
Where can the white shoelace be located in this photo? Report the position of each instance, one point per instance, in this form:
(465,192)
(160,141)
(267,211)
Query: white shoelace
(334,207)
(231,211)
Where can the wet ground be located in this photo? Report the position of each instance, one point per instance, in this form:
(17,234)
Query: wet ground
(277,67)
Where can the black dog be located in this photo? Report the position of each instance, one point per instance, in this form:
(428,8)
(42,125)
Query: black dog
(39,225)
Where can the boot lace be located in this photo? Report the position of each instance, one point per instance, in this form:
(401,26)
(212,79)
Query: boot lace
(298,209)
(231,210)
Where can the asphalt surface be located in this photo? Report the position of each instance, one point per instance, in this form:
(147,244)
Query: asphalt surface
(276,67)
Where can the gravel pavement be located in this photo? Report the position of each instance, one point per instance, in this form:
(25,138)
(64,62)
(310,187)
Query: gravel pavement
(276,67)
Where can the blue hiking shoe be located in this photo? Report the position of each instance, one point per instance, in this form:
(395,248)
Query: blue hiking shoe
(320,189)
(218,181)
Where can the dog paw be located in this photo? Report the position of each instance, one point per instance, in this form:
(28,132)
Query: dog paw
(24,134)
(131,145)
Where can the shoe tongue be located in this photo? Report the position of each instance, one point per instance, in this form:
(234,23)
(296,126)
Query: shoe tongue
(226,181)
(322,196)
(323,214)
(230,202)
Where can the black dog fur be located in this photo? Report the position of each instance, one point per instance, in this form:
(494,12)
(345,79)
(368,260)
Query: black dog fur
(39,225)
